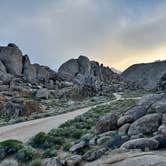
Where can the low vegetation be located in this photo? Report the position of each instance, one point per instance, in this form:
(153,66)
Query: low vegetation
(135,93)
(45,145)
(9,147)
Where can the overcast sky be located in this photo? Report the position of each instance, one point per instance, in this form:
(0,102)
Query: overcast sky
(116,33)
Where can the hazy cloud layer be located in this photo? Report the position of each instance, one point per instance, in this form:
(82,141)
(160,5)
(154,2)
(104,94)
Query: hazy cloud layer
(114,32)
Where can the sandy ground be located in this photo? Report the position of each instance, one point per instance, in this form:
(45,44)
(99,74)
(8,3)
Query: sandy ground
(25,130)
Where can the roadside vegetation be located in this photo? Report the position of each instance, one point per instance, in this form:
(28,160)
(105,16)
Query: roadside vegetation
(135,93)
(45,145)
(54,107)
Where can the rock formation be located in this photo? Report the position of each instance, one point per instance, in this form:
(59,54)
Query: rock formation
(91,75)
(77,78)
(148,75)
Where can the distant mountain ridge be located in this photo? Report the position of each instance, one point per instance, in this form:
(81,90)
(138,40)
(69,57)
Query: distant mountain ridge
(148,75)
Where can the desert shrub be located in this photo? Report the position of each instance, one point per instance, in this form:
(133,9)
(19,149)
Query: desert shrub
(76,134)
(67,146)
(67,132)
(9,163)
(60,132)
(9,147)
(38,140)
(36,162)
(51,152)
(26,154)
(42,140)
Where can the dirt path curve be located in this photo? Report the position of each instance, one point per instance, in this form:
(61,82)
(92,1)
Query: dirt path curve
(25,130)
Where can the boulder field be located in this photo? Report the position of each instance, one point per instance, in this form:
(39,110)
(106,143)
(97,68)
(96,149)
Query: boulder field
(141,128)
(76,79)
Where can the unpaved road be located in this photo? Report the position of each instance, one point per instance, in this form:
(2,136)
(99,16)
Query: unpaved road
(25,130)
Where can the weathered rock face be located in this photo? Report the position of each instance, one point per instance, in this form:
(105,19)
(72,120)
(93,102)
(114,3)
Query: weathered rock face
(136,112)
(11,57)
(141,143)
(88,73)
(147,124)
(13,64)
(29,70)
(148,75)
(136,159)
(106,123)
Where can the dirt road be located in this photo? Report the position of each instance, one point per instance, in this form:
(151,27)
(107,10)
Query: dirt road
(25,130)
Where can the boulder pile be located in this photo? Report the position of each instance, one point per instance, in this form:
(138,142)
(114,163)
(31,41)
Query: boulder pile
(141,127)
(92,77)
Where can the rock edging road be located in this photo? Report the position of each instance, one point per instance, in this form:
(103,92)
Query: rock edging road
(25,130)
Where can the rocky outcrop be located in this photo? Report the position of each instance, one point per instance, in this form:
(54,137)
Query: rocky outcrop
(147,124)
(11,57)
(141,143)
(148,75)
(106,123)
(13,62)
(91,75)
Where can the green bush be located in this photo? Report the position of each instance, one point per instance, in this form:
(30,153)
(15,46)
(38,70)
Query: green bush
(26,154)
(42,140)
(38,140)
(67,132)
(51,152)
(60,132)
(9,163)
(67,146)
(77,134)
(36,162)
(9,147)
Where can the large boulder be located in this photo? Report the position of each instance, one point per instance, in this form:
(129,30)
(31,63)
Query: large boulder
(136,159)
(136,112)
(29,70)
(68,70)
(11,57)
(2,67)
(141,143)
(74,160)
(5,77)
(125,119)
(147,124)
(106,123)
(85,65)
(123,129)
(161,140)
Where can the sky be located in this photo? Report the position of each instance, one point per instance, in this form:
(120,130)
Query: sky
(117,33)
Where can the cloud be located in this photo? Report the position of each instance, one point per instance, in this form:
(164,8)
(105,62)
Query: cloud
(110,31)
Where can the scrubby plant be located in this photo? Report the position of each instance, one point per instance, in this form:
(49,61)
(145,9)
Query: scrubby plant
(9,147)
(38,140)
(76,134)
(25,154)
(43,140)
(60,132)
(51,152)
(36,162)
(67,146)
(9,163)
